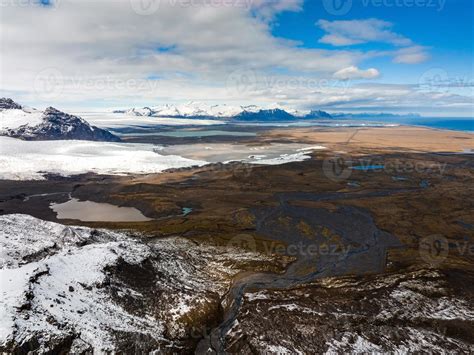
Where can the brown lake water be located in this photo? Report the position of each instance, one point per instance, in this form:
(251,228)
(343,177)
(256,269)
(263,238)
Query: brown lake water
(88,211)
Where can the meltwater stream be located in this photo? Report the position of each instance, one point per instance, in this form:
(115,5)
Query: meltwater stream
(361,249)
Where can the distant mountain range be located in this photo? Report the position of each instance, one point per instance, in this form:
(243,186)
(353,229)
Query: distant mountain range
(380,115)
(237,113)
(30,124)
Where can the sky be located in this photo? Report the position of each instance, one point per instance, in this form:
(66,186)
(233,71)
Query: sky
(395,56)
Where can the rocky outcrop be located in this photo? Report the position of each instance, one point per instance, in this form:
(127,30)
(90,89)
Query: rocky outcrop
(80,290)
(413,311)
(9,104)
(57,125)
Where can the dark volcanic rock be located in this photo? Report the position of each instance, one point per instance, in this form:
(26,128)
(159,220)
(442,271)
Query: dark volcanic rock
(9,104)
(58,125)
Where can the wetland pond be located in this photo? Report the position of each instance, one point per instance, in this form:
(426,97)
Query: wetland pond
(88,211)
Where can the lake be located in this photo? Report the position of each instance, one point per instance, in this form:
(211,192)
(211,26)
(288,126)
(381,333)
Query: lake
(88,211)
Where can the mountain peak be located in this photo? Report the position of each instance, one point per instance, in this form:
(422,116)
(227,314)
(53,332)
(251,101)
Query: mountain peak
(54,125)
(51,110)
(9,104)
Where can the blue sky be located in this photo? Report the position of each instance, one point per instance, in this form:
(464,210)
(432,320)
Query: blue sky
(444,26)
(337,55)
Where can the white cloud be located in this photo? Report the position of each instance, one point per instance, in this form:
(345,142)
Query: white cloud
(267,9)
(105,53)
(106,50)
(348,33)
(411,55)
(353,72)
(344,33)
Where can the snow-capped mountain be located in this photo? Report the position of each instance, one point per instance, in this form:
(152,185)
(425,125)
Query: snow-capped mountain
(30,124)
(78,290)
(188,110)
(241,113)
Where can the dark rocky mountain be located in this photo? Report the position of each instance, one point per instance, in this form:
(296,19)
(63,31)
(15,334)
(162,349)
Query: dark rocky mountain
(278,115)
(265,115)
(9,104)
(318,114)
(57,125)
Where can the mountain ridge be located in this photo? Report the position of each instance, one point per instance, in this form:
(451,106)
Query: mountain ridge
(195,110)
(51,124)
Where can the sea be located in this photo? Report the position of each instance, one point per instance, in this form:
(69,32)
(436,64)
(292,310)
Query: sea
(451,123)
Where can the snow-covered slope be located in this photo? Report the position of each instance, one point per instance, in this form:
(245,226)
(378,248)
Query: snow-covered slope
(75,290)
(24,160)
(13,115)
(27,160)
